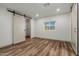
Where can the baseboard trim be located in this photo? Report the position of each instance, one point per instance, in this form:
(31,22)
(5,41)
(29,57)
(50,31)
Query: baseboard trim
(49,39)
(12,45)
(73,49)
(6,46)
(19,42)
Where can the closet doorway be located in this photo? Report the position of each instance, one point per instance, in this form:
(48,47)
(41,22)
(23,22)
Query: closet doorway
(28,28)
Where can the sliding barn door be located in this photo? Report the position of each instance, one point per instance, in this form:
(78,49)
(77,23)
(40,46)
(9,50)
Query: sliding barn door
(19,27)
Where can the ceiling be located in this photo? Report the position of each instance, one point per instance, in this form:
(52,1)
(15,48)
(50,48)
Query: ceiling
(31,9)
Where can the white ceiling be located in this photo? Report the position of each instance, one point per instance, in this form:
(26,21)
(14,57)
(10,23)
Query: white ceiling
(31,9)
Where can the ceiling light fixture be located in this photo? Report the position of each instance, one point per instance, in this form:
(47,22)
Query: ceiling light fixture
(37,15)
(58,10)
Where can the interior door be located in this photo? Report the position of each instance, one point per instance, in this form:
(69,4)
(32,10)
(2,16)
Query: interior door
(74,27)
(19,27)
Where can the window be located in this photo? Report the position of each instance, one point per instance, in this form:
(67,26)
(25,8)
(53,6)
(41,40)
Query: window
(50,25)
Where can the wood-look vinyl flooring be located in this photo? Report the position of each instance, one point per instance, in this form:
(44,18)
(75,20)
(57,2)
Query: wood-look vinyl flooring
(39,47)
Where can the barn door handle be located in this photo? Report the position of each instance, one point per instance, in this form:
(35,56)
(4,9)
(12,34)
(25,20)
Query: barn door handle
(75,29)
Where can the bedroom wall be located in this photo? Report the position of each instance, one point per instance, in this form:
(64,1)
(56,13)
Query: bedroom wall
(33,27)
(5,27)
(61,32)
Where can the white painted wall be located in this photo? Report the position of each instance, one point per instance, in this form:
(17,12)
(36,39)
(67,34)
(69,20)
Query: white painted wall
(74,27)
(33,28)
(5,27)
(62,31)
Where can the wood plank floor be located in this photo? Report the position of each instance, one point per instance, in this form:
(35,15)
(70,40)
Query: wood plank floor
(39,47)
